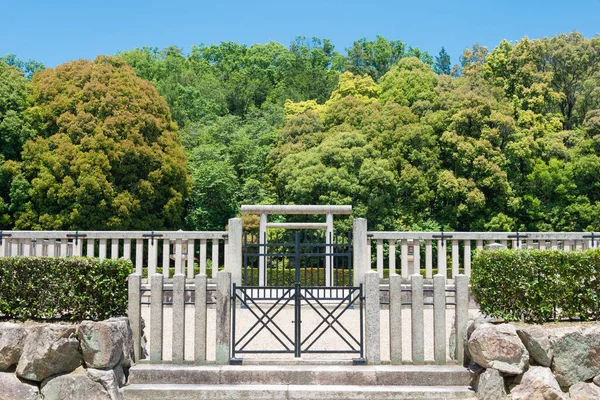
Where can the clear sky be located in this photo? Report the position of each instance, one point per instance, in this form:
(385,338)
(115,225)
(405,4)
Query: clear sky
(57,31)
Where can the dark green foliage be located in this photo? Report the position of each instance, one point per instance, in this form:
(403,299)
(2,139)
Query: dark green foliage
(308,277)
(72,288)
(537,286)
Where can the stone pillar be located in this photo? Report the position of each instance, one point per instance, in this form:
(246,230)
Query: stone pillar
(234,259)
(223,324)
(439,319)
(461,315)
(178,333)
(372,311)
(200,319)
(156,317)
(395,315)
(329,250)
(417,320)
(262,250)
(134,312)
(360,251)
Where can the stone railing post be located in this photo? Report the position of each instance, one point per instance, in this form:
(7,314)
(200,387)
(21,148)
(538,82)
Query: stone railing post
(223,324)
(234,258)
(372,328)
(200,319)
(360,251)
(461,315)
(156,318)
(134,311)
(417,319)
(178,334)
(395,316)
(439,319)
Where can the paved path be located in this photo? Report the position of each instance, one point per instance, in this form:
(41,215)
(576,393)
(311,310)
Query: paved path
(309,319)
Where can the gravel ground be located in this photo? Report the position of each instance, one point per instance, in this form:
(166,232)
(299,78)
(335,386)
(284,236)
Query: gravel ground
(310,320)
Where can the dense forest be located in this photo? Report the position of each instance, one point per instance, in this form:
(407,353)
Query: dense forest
(506,139)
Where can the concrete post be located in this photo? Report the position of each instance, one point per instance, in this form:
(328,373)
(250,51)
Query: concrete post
(223,324)
(439,319)
(467,257)
(262,249)
(395,315)
(156,318)
(178,325)
(200,319)
(329,250)
(462,315)
(404,259)
(360,251)
(372,311)
(417,320)
(441,248)
(134,311)
(234,259)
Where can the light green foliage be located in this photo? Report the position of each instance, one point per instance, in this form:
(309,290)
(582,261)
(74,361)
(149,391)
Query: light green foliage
(73,288)
(107,155)
(537,286)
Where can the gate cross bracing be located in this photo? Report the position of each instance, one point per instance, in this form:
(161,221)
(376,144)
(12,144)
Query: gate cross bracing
(296,295)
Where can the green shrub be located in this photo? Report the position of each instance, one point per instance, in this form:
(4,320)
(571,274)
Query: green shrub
(287,277)
(538,286)
(73,288)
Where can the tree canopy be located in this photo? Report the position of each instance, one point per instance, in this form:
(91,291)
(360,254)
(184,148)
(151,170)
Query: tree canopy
(507,139)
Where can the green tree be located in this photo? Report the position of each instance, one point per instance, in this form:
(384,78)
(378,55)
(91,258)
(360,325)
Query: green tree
(27,67)
(107,155)
(442,63)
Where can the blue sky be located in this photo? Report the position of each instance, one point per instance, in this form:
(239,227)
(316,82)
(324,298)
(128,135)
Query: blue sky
(57,31)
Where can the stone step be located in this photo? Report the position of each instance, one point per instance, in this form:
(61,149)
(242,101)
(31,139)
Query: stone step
(367,375)
(294,392)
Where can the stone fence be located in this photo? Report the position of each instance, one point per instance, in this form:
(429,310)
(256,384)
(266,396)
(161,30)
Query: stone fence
(176,252)
(425,309)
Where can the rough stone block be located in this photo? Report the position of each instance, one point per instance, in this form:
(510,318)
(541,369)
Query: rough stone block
(101,343)
(498,347)
(12,388)
(491,385)
(12,341)
(75,386)
(49,349)
(537,383)
(576,354)
(584,391)
(537,341)
(109,381)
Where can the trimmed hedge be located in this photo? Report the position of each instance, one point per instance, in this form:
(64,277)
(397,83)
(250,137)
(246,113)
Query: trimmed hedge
(73,288)
(537,285)
(287,276)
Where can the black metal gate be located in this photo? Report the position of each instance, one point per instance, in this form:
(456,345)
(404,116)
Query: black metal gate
(290,257)
(293,311)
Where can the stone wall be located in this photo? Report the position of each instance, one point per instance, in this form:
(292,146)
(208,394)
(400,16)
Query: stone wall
(534,362)
(90,360)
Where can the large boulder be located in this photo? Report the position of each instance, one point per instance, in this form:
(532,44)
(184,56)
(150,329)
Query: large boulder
(128,355)
(50,349)
(498,347)
(491,386)
(12,388)
(101,343)
(108,380)
(537,342)
(12,341)
(537,383)
(576,354)
(75,386)
(584,391)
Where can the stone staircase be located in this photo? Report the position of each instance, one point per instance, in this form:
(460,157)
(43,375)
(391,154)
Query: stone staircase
(295,382)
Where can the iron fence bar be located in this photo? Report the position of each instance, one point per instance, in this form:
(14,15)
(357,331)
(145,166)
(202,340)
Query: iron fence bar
(298,321)
(233,319)
(264,324)
(325,320)
(362,310)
